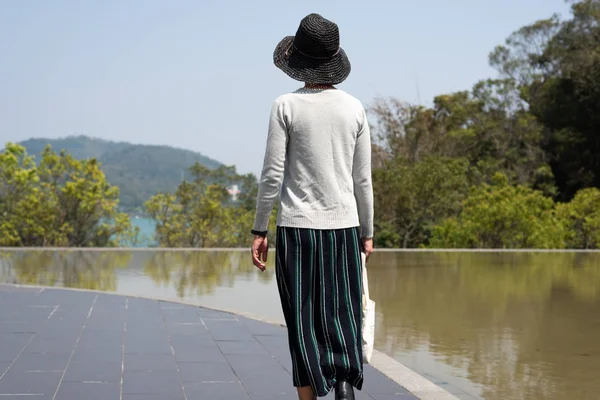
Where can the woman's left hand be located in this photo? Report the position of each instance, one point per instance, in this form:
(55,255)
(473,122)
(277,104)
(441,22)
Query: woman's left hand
(260,249)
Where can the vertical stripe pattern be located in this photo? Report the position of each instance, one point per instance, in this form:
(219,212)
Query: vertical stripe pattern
(319,280)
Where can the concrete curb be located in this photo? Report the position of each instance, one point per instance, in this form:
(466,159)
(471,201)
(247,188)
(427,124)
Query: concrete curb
(396,371)
(409,379)
(244,249)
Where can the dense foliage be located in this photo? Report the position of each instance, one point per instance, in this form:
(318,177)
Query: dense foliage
(202,212)
(512,163)
(139,171)
(59,201)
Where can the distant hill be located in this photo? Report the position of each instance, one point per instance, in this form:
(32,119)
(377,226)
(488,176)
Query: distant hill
(139,171)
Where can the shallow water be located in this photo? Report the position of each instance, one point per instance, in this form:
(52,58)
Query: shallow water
(482,325)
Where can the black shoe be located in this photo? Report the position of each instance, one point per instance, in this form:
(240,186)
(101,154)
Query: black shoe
(344,391)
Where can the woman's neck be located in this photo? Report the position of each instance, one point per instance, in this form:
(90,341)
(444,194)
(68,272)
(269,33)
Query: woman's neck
(317,86)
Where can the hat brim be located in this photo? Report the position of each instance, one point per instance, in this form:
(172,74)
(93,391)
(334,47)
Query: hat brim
(305,69)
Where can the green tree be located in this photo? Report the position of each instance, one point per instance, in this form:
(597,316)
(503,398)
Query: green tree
(201,213)
(60,202)
(502,216)
(557,66)
(411,197)
(488,126)
(581,216)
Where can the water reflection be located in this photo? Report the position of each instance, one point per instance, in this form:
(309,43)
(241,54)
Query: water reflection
(515,325)
(200,273)
(74,269)
(494,325)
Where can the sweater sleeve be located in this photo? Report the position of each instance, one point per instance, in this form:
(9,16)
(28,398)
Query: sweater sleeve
(273,166)
(361,174)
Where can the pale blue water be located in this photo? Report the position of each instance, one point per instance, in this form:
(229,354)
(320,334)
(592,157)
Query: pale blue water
(147,226)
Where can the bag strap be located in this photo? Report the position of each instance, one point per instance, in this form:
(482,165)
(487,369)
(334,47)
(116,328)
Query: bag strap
(365,278)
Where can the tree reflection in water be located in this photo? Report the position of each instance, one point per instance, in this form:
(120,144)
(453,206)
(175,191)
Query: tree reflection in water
(201,272)
(520,325)
(92,270)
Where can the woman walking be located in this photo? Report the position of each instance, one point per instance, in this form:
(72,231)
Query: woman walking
(318,158)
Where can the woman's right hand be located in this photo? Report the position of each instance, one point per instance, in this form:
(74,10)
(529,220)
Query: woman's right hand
(367,246)
(260,249)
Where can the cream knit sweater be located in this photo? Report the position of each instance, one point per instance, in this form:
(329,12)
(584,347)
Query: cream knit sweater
(318,157)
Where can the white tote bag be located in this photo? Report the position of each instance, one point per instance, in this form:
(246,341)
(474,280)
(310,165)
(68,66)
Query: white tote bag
(368,315)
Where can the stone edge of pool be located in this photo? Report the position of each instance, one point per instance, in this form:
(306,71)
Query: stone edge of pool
(418,385)
(244,249)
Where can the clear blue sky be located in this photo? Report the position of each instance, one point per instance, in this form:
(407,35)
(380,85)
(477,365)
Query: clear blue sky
(199,74)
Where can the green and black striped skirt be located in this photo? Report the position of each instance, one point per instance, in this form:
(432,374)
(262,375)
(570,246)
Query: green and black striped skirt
(319,279)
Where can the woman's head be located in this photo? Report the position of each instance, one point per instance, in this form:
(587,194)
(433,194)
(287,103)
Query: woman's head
(314,54)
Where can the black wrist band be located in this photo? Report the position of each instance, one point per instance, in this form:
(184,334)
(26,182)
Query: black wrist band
(259,233)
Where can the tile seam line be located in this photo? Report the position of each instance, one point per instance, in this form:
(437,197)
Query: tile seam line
(170,340)
(81,330)
(225,357)
(433,391)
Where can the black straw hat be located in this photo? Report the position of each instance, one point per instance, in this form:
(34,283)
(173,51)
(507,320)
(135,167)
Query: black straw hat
(314,55)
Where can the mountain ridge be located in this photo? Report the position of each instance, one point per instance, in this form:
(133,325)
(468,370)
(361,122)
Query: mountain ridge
(139,170)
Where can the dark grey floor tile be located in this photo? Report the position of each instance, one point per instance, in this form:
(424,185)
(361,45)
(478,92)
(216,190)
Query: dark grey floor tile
(252,362)
(206,354)
(170,396)
(207,313)
(187,329)
(108,313)
(137,331)
(40,362)
(148,346)
(274,343)
(98,353)
(88,391)
(106,327)
(261,374)
(358,395)
(261,328)
(14,340)
(151,343)
(19,327)
(285,360)
(150,362)
(152,319)
(242,348)
(3,366)
(93,372)
(214,391)
(377,383)
(273,396)
(8,355)
(96,338)
(29,383)
(269,381)
(182,315)
(232,330)
(55,323)
(59,332)
(157,382)
(193,342)
(168,305)
(110,301)
(50,346)
(206,372)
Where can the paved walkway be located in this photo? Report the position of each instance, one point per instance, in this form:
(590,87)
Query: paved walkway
(71,345)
